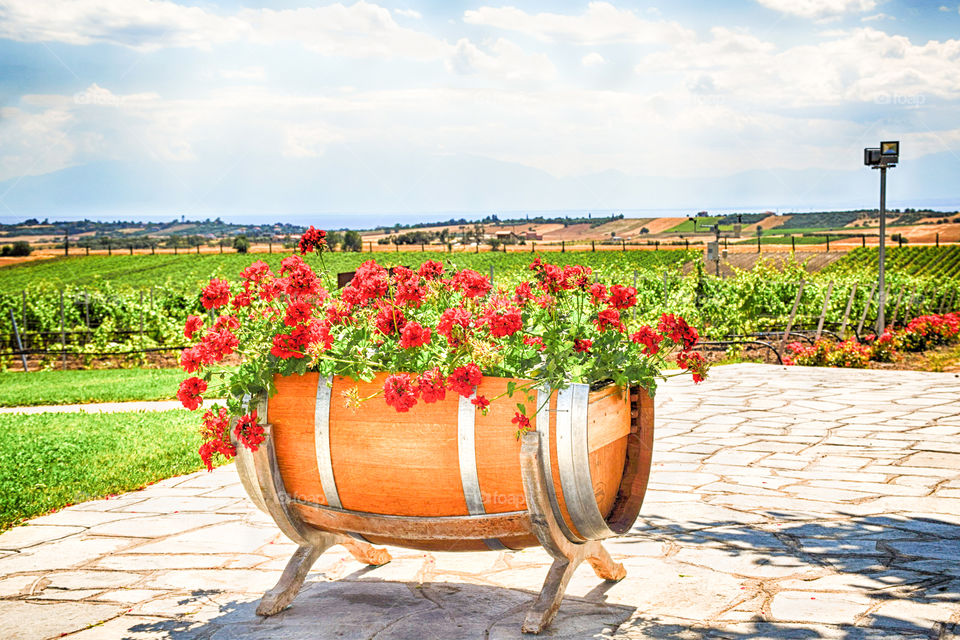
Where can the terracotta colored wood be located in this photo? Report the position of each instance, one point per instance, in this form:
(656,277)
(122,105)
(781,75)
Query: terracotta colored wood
(406,464)
(636,471)
(394,463)
(290,412)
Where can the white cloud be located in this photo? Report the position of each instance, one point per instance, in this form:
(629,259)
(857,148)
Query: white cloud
(360,30)
(852,66)
(592,59)
(505,61)
(408,13)
(819,8)
(877,17)
(249,74)
(600,23)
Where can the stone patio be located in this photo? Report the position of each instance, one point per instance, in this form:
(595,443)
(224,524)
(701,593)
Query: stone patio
(784,503)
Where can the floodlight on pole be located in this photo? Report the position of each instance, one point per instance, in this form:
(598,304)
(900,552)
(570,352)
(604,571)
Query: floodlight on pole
(883,157)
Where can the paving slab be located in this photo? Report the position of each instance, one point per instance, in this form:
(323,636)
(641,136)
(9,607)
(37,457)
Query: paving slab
(784,503)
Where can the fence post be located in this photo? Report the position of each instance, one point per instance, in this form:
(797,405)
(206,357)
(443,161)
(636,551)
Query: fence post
(896,309)
(63,333)
(623,245)
(16,334)
(491,275)
(866,308)
(793,244)
(686,242)
(828,243)
(846,313)
(758,244)
(593,245)
(938,240)
(823,310)
(793,314)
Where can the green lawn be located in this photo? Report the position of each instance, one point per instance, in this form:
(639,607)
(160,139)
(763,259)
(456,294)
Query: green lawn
(51,460)
(19,389)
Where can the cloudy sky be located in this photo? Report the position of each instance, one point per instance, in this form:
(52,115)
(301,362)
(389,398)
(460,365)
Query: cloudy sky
(149,107)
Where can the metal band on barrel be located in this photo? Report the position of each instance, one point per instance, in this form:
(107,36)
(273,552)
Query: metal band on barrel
(321,441)
(573,459)
(467,453)
(248,476)
(271,487)
(543,428)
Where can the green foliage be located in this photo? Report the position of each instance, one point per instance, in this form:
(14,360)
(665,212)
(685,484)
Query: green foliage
(241,244)
(51,460)
(928,262)
(18,389)
(19,248)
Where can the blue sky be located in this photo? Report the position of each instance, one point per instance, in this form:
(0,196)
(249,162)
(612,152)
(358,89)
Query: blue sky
(148,107)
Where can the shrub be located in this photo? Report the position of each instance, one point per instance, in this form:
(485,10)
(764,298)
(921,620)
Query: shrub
(18,249)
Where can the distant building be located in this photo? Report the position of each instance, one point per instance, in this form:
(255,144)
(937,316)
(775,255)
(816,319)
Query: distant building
(532,235)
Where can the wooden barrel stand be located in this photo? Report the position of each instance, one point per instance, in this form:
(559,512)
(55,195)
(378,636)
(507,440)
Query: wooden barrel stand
(564,509)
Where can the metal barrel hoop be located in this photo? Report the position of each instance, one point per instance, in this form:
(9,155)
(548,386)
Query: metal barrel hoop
(321,440)
(543,428)
(467,454)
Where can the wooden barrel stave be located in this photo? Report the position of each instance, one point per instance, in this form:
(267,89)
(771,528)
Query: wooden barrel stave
(366,454)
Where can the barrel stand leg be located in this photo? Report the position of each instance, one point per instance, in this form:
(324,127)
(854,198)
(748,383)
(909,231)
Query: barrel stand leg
(282,594)
(567,555)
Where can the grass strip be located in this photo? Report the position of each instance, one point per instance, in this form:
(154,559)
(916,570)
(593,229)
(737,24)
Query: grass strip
(19,389)
(52,460)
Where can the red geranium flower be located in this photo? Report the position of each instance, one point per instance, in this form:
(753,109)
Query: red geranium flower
(431,386)
(582,345)
(454,324)
(464,379)
(414,335)
(248,432)
(535,342)
(297,312)
(481,402)
(390,320)
(522,421)
(609,318)
(649,338)
(471,283)
(194,324)
(400,392)
(430,270)
(216,294)
(679,332)
(622,297)
(312,239)
(189,392)
(598,293)
(503,319)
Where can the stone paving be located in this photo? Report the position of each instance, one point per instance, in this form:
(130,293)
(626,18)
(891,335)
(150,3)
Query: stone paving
(784,503)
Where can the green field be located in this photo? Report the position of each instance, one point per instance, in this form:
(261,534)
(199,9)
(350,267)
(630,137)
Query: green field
(927,262)
(51,460)
(189,270)
(18,389)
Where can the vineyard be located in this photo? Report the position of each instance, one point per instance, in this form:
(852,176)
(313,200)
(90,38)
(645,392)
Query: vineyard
(87,307)
(928,262)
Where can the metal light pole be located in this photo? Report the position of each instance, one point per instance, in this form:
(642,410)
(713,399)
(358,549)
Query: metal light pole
(882,157)
(881,320)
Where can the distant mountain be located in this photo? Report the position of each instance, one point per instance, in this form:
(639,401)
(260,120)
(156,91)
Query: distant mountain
(348,181)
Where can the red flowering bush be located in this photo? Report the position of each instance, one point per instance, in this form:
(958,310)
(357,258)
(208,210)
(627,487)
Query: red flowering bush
(824,353)
(929,331)
(434,330)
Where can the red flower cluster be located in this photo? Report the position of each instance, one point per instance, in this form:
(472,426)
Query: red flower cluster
(400,392)
(249,432)
(414,335)
(481,402)
(464,379)
(502,318)
(194,324)
(553,279)
(679,332)
(214,434)
(313,239)
(648,339)
(694,363)
(216,294)
(189,392)
(454,325)
(609,318)
(582,345)
(471,283)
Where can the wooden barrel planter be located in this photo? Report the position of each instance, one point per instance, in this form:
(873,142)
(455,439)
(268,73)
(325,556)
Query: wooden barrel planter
(445,477)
